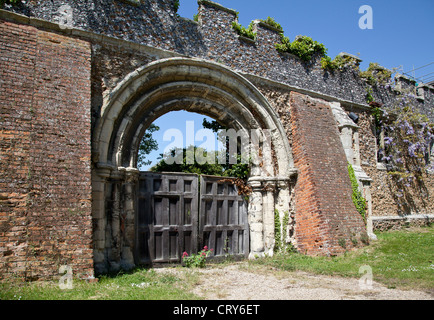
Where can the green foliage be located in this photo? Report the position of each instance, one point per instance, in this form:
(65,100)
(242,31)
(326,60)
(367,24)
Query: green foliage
(245,32)
(357,196)
(12,2)
(377,113)
(176,5)
(280,229)
(212,125)
(369,97)
(277,231)
(271,22)
(147,145)
(328,64)
(375,74)
(240,170)
(399,259)
(140,284)
(338,63)
(189,163)
(196,260)
(303,47)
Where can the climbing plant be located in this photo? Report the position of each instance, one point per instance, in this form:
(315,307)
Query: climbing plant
(357,196)
(407,136)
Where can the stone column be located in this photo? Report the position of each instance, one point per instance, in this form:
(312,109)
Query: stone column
(256,221)
(368,198)
(100,176)
(268,212)
(128,218)
(283,200)
(113,231)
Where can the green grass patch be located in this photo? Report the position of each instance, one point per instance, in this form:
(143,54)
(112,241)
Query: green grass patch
(139,285)
(399,259)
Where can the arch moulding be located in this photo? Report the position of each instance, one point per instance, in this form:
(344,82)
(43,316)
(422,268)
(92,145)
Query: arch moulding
(182,84)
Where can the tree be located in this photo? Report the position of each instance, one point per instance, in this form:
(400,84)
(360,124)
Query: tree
(147,145)
(189,163)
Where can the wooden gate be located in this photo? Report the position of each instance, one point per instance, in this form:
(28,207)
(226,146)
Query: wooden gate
(175,216)
(223,218)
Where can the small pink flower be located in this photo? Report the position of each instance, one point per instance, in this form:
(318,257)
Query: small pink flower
(185,254)
(205,248)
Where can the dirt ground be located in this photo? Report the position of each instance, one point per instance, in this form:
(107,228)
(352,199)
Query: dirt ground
(241,281)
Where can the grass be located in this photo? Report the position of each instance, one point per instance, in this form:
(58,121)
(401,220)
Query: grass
(399,259)
(141,284)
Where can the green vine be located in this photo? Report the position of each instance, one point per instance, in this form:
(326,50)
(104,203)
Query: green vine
(280,245)
(357,196)
(277,231)
(245,32)
(176,4)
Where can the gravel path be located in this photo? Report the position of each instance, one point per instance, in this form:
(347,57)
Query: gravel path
(243,282)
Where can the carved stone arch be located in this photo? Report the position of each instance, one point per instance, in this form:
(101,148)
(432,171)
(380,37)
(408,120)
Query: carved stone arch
(193,85)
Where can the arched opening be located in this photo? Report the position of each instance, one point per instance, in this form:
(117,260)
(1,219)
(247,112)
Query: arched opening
(176,130)
(196,86)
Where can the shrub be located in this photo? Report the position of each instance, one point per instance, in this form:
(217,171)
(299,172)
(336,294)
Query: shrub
(375,74)
(303,47)
(196,260)
(271,22)
(242,31)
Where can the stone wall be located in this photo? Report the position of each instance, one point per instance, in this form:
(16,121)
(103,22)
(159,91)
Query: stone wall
(45,185)
(156,24)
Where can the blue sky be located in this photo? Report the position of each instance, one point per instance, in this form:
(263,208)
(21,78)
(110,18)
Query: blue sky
(402,35)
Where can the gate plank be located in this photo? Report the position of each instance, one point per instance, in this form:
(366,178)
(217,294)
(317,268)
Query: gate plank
(163,232)
(174,216)
(223,219)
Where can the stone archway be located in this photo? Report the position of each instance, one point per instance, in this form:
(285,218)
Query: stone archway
(150,92)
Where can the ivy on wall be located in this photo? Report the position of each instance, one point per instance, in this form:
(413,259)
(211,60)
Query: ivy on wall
(357,196)
(280,230)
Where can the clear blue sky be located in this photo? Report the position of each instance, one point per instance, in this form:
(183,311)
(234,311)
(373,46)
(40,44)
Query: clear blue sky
(402,34)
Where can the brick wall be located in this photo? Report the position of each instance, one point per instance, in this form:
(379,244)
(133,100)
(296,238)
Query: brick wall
(327,222)
(45,184)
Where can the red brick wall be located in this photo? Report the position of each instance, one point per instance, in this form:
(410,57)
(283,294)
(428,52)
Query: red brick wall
(327,222)
(45,175)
